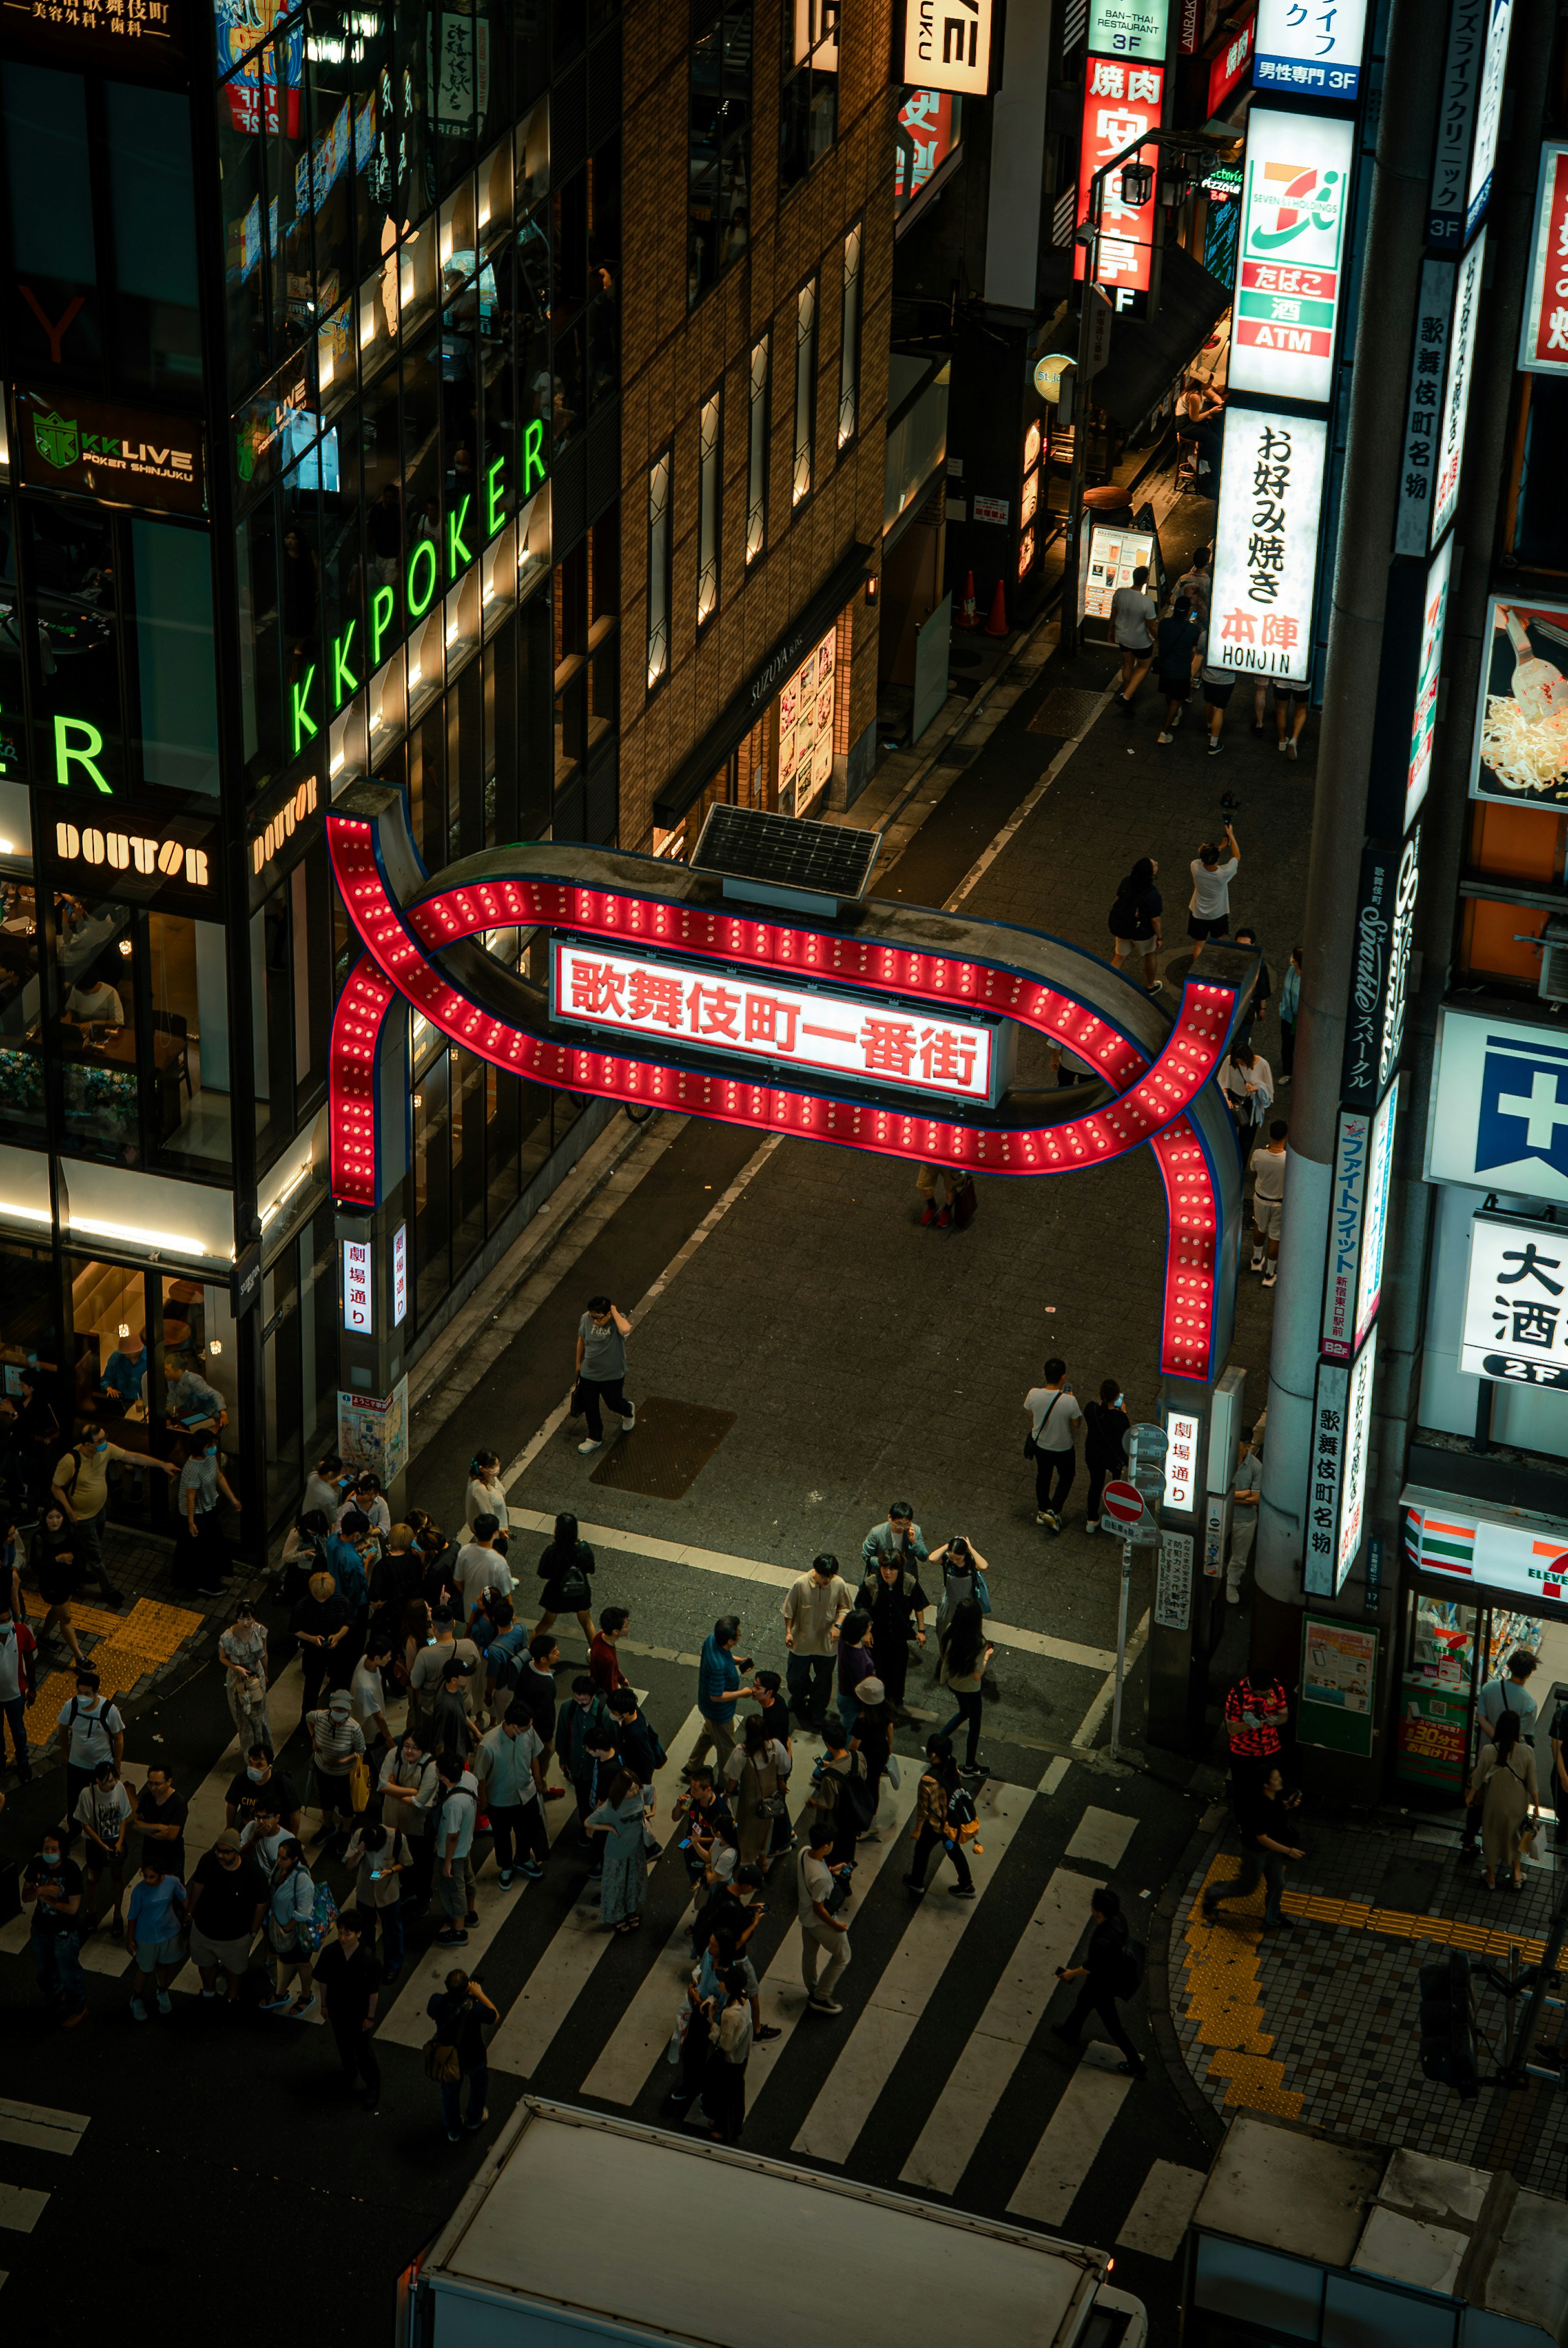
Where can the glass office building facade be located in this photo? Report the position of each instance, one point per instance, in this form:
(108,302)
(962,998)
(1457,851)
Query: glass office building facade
(310,470)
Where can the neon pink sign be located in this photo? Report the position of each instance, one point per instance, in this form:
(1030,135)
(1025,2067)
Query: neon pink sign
(879,1096)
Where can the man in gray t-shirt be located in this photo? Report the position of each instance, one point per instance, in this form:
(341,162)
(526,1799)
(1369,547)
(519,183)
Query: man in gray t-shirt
(601,1336)
(1134,615)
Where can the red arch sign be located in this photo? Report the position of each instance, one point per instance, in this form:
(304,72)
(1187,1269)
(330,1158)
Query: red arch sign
(659,923)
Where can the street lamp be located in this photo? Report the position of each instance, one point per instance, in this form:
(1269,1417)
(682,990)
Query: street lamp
(1137,185)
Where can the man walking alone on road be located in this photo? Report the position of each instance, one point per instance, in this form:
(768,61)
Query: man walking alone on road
(1266,1845)
(1054,1420)
(601,1336)
(349,1980)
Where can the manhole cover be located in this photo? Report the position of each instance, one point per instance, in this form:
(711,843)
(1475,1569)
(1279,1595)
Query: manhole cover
(666,1451)
(1066,710)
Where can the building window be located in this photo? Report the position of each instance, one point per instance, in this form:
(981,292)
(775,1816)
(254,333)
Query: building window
(708,511)
(809,102)
(757,452)
(849,343)
(721,147)
(804,389)
(659,571)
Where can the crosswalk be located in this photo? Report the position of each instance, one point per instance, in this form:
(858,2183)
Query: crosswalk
(881,2090)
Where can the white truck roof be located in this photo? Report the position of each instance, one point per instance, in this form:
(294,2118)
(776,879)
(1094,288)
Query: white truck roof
(591,2219)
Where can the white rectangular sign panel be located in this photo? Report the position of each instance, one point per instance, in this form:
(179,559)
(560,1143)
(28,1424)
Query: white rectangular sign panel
(1311,47)
(1174,1581)
(1498,1116)
(1375,1233)
(1128,28)
(1512,1549)
(1424,406)
(755,1018)
(1347,1222)
(1455,388)
(1265,540)
(1180,1463)
(1336,1489)
(947,44)
(358,1310)
(1516,1301)
(399,1275)
(1290,261)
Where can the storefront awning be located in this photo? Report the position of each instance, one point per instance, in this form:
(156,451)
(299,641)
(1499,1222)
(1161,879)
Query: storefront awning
(1147,354)
(1483,1554)
(694,774)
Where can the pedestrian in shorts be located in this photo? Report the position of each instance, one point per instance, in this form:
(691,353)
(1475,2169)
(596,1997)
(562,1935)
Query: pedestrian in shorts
(1134,921)
(155,1936)
(1289,717)
(1218,685)
(1268,1201)
(104,1813)
(1134,615)
(1209,907)
(1179,649)
(227,1899)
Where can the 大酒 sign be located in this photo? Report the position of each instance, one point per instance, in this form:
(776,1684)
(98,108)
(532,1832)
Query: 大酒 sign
(1265,544)
(1516,1301)
(1289,267)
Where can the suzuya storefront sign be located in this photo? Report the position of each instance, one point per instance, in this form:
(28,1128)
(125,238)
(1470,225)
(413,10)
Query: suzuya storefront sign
(435,563)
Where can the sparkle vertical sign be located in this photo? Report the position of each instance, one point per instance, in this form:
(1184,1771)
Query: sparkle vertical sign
(1295,201)
(1265,563)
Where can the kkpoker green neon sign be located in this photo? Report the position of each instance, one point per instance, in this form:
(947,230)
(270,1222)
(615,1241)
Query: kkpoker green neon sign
(421,578)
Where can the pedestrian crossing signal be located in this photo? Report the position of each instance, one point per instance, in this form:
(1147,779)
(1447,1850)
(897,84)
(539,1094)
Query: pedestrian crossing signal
(1448,2025)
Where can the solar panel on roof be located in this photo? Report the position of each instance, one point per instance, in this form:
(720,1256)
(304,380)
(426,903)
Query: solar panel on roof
(785,852)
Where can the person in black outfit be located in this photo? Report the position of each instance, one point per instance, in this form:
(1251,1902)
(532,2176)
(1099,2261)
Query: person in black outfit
(1134,921)
(321,1623)
(349,1980)
(1106,1426)
(460,2012)
(891,1594)
(1109,1972)
(1247,936)
(1268,1841)
(637,1738)
(565,1569)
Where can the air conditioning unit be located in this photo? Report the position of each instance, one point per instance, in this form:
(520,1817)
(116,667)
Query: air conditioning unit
(1553,982)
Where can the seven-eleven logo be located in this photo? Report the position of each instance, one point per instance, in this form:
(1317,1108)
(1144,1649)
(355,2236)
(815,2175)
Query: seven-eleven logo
(1300,199)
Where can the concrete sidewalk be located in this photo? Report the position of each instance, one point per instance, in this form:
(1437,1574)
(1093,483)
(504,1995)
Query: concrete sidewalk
(1321,2024)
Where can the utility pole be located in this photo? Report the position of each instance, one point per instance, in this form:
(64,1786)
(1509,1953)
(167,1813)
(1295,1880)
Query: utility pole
(1396,241)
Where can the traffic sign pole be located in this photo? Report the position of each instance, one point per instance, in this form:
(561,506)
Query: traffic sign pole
(1120,1645)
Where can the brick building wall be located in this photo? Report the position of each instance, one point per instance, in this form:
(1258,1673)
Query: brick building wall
(671,360)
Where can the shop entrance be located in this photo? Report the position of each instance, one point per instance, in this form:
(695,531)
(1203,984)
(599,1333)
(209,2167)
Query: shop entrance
(1450,1650)
(152,1360)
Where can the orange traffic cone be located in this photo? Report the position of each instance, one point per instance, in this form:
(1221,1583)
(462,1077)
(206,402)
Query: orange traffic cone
(996,625)
(966,612)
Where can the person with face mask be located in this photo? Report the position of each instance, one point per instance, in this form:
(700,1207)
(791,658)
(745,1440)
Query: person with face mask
(81,1490)
(261,1786)
(199,1563)
(52,1887)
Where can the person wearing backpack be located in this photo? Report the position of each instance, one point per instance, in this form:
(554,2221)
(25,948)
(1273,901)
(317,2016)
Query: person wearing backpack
(287,1931)
(940,1804)
(1113,1968)
(90,1731)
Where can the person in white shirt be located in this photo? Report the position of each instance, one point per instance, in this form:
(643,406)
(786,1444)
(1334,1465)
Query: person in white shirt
(96,1004)
(1209,907)
(487,1495)
(371,1502)
(480,1566)
(1054,1420)
(104,1812)
(1268,1201)
(1246,1485)
(367,1694)
(1134,615)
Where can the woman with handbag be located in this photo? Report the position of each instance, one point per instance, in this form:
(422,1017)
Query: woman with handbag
(757,1772)
(966,1652)
(565,1568)
(935,1825)
(291,1903)
(1504,1784)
